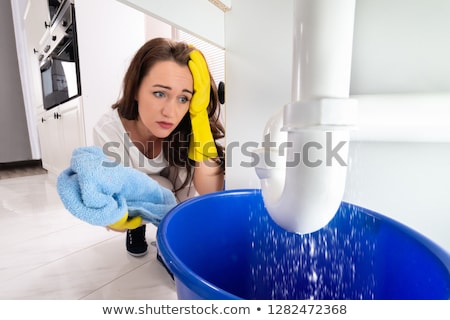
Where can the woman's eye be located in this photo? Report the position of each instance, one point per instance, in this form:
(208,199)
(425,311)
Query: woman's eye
(183,99)
(158,94)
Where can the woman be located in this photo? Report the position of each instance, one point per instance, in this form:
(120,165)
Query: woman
(166,124)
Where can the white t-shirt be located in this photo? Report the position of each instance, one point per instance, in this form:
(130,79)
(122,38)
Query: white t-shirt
(110,135)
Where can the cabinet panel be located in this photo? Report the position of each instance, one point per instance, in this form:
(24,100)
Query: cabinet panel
(71,129)
(49,140)
(37,20)
(60,131)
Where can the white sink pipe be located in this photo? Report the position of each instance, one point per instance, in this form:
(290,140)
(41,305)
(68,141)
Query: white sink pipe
(303,184)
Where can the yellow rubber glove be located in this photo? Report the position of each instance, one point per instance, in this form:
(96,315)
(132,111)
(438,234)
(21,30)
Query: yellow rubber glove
(202,146)
(125,223)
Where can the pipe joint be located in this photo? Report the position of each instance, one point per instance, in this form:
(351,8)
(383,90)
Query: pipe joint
(323,114)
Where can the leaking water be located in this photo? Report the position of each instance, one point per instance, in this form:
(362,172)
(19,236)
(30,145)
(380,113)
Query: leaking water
(332,263)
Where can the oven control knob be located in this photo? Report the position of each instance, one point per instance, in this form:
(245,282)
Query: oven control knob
(54,38)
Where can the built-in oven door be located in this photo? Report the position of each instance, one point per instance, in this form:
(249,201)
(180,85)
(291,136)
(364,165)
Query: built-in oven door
(59,81)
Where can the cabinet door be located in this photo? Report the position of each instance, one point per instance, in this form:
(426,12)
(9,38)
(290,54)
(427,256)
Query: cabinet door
(49,140)
(37,20)
(71,130)
(60,130)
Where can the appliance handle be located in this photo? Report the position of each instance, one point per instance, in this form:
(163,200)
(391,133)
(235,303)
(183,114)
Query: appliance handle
(47,64)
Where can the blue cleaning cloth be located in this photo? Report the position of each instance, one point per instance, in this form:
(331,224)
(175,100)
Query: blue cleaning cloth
(100,192)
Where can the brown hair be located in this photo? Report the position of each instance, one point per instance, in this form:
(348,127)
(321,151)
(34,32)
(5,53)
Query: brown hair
(175,146)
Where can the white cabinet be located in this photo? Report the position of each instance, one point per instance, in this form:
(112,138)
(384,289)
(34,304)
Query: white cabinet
(37,23)
(60,131)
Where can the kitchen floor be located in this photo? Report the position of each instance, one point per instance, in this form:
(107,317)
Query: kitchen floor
(46,253)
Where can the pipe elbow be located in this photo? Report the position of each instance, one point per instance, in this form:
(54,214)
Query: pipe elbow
(303,191)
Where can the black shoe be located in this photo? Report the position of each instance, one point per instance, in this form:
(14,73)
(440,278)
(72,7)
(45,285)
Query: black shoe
(136,243)
(159,258)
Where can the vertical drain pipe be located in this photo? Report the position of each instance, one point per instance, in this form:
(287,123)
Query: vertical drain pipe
(304,189)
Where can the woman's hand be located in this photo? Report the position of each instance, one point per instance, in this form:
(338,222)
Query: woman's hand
(125,223)
(202,83)
(116,230)
(202,146)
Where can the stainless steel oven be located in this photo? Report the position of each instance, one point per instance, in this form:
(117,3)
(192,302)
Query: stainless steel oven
(54,7)
(59,62)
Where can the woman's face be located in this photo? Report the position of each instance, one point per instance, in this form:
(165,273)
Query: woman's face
(164,96)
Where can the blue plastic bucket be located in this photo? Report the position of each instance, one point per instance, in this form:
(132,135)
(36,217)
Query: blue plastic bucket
(225,246)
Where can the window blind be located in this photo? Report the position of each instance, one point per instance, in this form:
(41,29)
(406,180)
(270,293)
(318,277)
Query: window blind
(214,55)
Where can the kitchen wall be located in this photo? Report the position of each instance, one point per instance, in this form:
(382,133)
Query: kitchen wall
(401,46)
(109,33)
(14,139)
